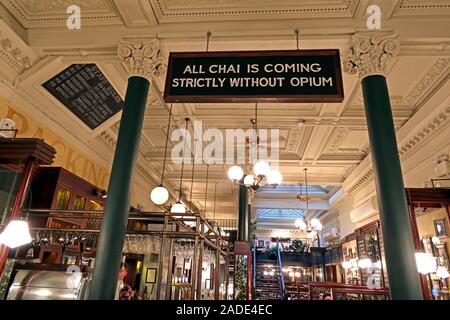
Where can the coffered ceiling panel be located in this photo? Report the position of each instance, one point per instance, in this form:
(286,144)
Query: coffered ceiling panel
(206,10)
(46,13)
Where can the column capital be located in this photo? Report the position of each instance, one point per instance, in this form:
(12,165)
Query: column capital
(371,53)
(142,57)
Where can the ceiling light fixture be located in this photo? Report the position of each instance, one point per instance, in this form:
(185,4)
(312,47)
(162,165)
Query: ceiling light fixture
(178,207)
(160,195)
(314,225)
(261,169)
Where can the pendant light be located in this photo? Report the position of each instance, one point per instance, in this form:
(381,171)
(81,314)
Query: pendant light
(190,222)
(206,228)
(160,195)
(178,207)
(206,188)
(16,234)
(314,225)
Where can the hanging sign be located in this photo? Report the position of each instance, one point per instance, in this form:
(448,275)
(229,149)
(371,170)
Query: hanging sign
(253,76)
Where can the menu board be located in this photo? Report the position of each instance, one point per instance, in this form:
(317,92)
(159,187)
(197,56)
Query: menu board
(85,91)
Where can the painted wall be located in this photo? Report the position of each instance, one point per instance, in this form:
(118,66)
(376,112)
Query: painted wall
(67,155)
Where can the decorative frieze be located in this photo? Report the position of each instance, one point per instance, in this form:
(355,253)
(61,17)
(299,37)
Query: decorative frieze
(143,58)
(371,54)
(436,71)
(13,55)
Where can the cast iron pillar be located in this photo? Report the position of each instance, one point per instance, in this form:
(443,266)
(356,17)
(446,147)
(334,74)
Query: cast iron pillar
(369,57)
(243,222)
(142,60)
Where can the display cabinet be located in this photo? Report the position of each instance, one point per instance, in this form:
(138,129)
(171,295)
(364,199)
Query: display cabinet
(57,189)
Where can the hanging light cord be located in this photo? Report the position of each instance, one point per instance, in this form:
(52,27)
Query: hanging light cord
(306,182)
(296,35)
(208,35)
(256,119)
(165,148)
(182,162)
(215,197)
(206,187)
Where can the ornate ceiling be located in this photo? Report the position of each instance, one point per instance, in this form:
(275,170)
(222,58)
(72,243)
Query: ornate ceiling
(331,140)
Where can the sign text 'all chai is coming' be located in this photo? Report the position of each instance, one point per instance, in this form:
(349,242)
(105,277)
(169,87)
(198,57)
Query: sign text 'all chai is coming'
(255,76)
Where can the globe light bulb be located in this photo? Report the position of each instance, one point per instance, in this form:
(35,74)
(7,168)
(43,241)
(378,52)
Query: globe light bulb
(16,234)
(178,208)
(235,173)
(159,195)
(316,224)
(261,168)
(274,178)
(249,180)
(299,223)
(436,240)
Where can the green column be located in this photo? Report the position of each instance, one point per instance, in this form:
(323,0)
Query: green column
(398,240)
(110,244)
(242,229)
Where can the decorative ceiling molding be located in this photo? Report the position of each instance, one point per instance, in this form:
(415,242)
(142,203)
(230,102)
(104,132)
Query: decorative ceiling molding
(168,10)
(52,13)
(14,52)
(338,136)
(440,68)
(439,121)
(432,6)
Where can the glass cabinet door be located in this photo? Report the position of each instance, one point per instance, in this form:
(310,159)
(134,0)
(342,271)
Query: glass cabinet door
(63,199)
(79,203)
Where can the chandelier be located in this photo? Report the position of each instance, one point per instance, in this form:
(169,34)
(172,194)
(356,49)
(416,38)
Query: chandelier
(261,169)
(314,225)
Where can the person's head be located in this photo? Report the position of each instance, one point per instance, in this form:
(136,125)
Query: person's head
(123,271)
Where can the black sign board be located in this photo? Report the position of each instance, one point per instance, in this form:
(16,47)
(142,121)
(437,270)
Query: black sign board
(85,91)
(252,76)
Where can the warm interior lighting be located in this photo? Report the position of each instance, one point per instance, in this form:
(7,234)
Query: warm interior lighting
(377,264)
(426,263)
(274,178)
(436,240)
(159,195)
(346,265)
(235,173)
(316,224)
(16,234)
(442,273)
(364,263)
(261,168)
(249,180)
(178,208)
(301,224)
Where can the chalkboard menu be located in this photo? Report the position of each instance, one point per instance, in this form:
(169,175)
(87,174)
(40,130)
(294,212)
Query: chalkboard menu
(84,90)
